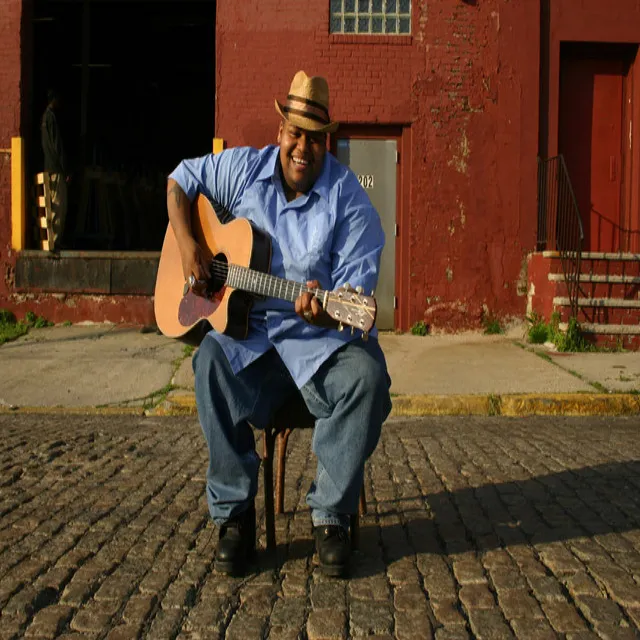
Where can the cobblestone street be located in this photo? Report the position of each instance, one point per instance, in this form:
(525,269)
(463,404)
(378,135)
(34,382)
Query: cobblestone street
(476,527)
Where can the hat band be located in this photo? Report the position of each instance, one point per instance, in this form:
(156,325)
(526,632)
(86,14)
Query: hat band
(308,108)
(305,114)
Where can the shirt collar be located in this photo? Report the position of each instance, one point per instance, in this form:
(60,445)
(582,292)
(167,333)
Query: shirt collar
(269,169)
(321,186)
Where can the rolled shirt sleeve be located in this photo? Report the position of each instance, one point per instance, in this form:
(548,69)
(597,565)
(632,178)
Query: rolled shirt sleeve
(220,177)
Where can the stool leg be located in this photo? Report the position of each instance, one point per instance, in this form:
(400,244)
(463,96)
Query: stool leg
(267,462)
(283,438)
(354,526)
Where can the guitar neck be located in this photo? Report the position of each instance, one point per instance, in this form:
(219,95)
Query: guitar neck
(264,284)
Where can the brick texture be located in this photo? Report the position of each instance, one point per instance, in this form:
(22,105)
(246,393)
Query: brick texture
(465,88)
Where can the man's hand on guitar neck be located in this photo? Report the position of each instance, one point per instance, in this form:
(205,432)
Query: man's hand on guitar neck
(308,307)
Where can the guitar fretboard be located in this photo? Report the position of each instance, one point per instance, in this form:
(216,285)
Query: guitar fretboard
(264,284)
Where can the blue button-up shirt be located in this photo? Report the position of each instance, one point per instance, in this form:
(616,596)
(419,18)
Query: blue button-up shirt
(331,234)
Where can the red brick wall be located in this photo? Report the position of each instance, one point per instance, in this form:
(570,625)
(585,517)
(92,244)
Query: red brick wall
(10,107)
(466,85)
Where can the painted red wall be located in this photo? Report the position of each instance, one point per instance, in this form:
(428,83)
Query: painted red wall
(584,21)
(467,86)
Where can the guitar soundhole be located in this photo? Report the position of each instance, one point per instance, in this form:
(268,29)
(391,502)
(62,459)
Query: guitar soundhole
(219,269)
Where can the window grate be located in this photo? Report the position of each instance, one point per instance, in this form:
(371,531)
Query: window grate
(371,17)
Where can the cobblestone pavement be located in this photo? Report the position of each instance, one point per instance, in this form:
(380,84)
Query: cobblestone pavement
(477,527)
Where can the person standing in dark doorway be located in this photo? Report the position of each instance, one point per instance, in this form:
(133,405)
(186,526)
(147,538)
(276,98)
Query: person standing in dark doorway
(56,164)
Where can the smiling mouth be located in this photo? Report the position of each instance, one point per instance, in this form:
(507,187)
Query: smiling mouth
(299,163)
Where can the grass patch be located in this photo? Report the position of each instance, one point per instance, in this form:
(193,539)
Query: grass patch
(601,388)
(571,340)
(495,405)
(188,350)
(538,332)
(544,356)
(420,328)
(12,328)
(157,397)
(492,326)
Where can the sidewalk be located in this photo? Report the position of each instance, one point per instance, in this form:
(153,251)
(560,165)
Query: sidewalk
(123,369)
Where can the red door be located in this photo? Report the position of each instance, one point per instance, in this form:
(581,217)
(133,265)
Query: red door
(591,125)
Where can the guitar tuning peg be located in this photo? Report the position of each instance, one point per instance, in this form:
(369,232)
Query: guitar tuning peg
(346,286)
(373,292)
(365,336)
(359,289)
(340,326)
(353,330)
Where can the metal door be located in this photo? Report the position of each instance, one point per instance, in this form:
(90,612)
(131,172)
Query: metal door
(375,164)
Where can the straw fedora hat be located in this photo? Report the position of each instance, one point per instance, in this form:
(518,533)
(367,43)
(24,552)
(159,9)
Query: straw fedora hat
(307,104)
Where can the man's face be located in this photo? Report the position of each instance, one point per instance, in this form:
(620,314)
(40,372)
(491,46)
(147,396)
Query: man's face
(301,155)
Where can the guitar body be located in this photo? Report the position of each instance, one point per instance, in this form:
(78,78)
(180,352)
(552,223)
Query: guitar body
(189,317)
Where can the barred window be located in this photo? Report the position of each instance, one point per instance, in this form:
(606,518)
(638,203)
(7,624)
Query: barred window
(377,17)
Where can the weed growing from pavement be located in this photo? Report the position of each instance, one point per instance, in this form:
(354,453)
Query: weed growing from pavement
(12,328)
(495,405)
(571,340)
(492,325)
(420,328)
(188,350)
(157,397)
(548,358)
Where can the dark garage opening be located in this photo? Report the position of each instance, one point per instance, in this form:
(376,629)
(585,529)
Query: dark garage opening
(137,80)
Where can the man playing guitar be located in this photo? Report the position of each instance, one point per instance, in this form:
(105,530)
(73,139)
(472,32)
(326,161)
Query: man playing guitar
(323,231)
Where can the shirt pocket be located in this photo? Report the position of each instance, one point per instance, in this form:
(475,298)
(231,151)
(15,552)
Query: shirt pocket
(307,244)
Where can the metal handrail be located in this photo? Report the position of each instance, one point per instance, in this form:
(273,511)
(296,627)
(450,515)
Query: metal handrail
(559,222)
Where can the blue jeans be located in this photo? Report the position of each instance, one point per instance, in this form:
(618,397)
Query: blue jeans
(348,396)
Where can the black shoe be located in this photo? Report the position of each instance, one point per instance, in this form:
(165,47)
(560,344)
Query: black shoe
(236,543)
(332,545)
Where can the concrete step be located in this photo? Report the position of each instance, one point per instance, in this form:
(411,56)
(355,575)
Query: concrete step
(595,290)
(610,336)
(599,263)
(599,302)
(606,278)
(596,255)
(609,295)
(602,315)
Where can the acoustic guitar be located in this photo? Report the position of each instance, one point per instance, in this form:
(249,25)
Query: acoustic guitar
(239,256)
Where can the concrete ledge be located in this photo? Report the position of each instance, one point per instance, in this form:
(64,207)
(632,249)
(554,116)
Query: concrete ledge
(177,403)
(434,405)
(570,404)
(183,403)
(96,411)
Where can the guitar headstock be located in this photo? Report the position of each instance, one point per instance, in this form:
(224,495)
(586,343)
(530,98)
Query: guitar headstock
(351,307)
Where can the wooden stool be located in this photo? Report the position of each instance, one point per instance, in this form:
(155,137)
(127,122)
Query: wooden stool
(45,211)
(293,414)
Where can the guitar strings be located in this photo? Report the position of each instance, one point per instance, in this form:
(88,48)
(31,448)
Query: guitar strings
(221,269)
